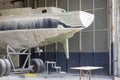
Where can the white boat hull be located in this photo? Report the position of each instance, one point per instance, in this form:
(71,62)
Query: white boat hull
(29,38)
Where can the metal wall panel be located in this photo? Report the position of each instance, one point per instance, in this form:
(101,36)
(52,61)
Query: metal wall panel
(101,59)
(73,62)
(6,6)
(51,3)
(50,56)
(62,61)
(101,41)
(101,19)
(62,4)
(86,59)
(60,47)
(74,5)
(74,43)
(86,4)
(41,3)
(50,48)
(87,42)
(100,3)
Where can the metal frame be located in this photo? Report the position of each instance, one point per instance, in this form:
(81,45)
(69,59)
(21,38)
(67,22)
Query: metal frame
(11,51)
(110,33)
(53,63)
(86,74)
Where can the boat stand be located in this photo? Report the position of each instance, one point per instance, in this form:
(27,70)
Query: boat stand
(12,52)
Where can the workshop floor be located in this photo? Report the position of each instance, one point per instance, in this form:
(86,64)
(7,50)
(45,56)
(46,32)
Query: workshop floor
(51,77)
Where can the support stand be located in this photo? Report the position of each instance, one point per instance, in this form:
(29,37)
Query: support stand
(11,51)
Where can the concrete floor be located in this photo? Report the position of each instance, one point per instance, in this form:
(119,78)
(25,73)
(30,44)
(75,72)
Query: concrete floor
(51,77)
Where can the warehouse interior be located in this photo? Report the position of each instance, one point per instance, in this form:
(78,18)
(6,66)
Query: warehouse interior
(97,45)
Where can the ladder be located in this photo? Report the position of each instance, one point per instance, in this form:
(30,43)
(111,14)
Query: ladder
(53,63)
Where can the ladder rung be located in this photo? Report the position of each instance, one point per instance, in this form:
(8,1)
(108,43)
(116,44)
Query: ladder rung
(62,72)
(57,67)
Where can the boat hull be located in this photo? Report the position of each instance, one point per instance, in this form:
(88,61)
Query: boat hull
(30,38)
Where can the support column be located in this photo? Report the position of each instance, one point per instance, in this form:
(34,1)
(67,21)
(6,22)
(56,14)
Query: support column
(116,37)
(118,30)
